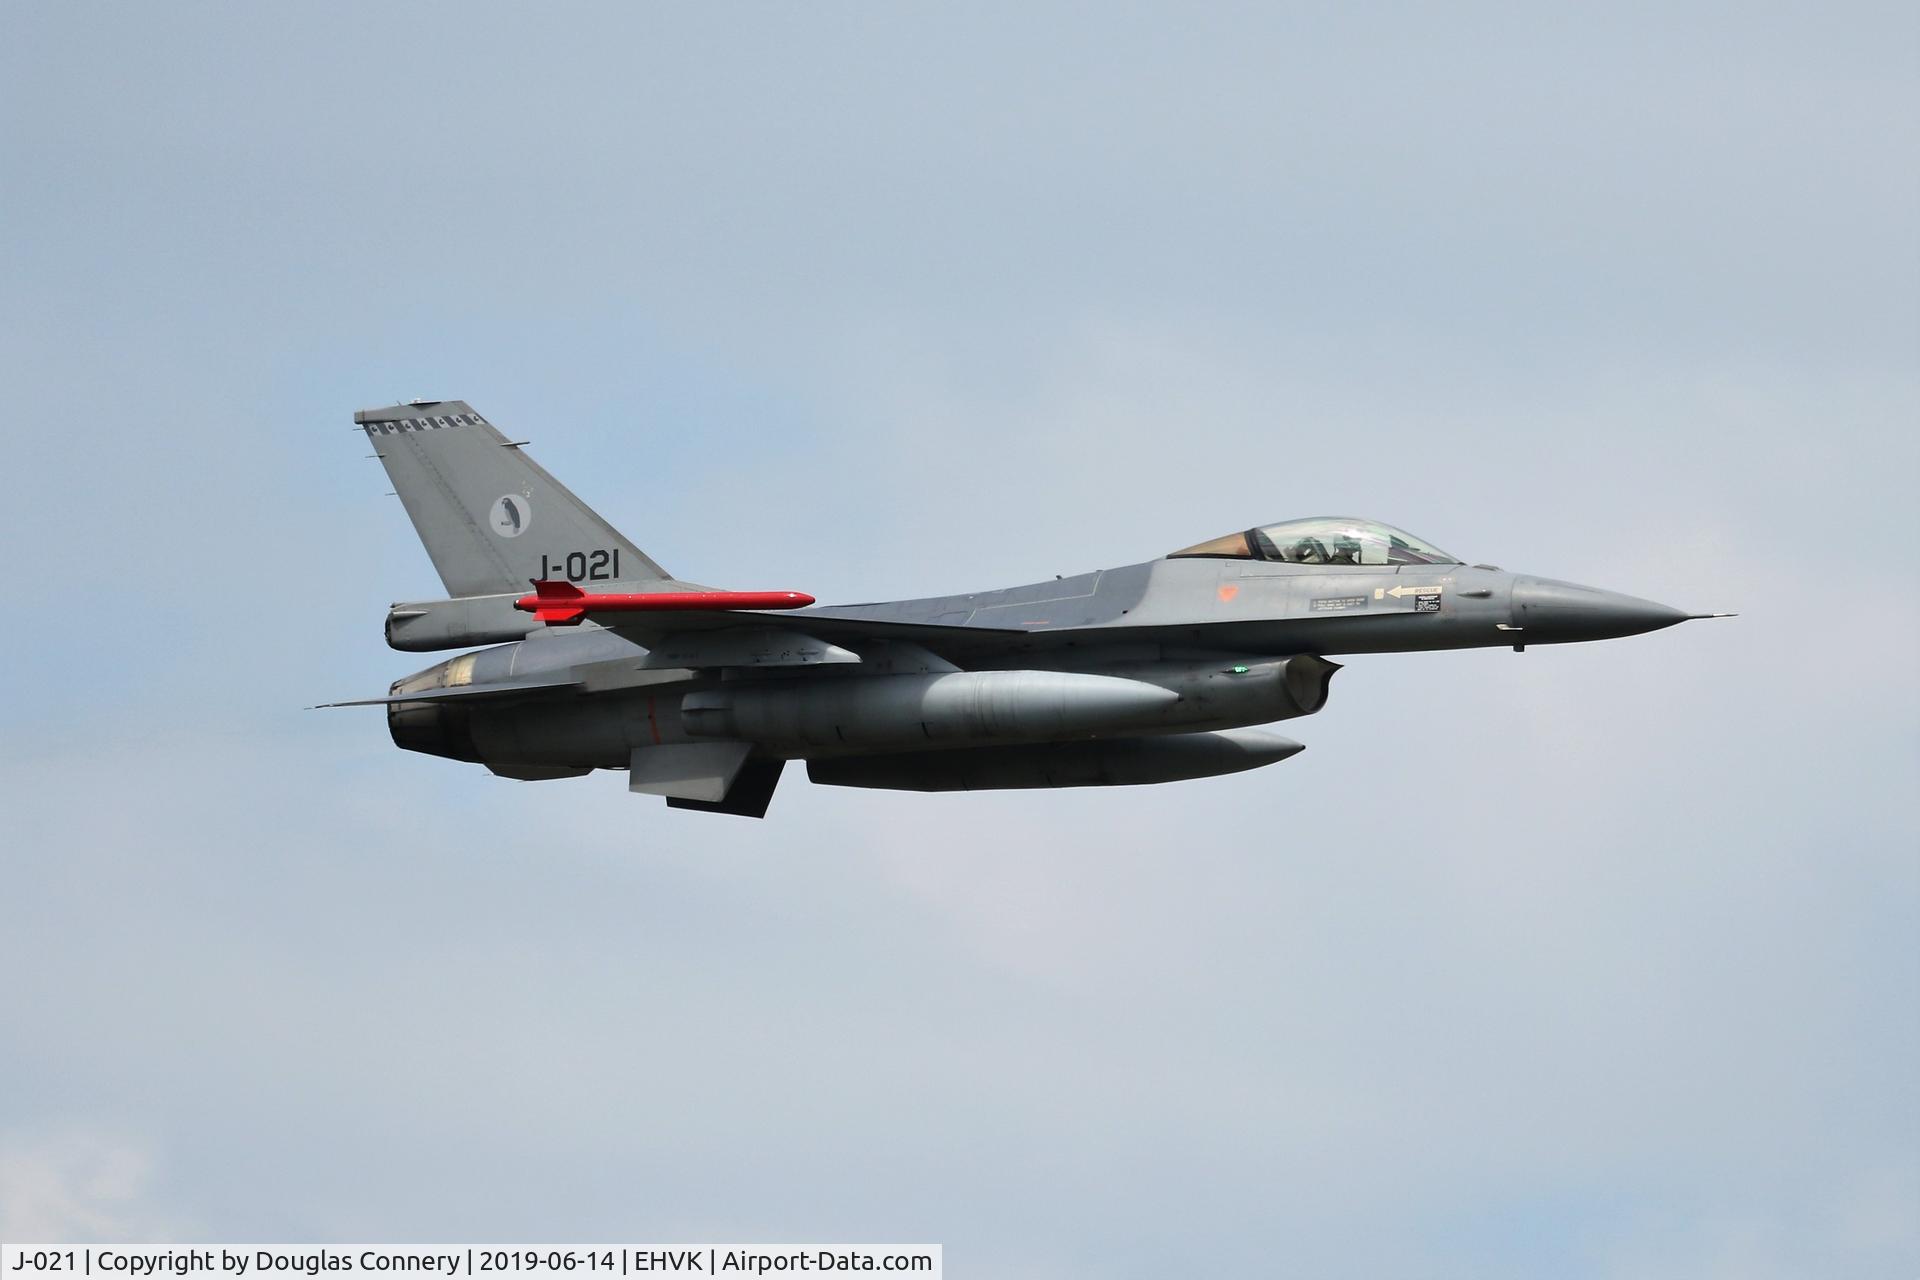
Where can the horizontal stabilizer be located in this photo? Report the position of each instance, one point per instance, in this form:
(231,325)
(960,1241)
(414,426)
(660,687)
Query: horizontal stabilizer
(463,692)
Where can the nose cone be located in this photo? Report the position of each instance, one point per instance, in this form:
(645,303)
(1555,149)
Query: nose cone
(1550,612)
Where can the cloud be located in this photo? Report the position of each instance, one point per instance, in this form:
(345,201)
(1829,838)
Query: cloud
(80,1186)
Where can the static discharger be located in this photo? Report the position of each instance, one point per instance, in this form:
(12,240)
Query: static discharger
(561,604)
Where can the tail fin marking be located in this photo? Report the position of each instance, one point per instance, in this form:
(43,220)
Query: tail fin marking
(491,518)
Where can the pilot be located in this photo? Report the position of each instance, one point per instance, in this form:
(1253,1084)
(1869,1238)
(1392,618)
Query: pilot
(1306,551)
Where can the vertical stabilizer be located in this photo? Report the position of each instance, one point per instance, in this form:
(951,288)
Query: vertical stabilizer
(491,518)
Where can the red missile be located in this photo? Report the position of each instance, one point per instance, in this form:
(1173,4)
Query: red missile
(561,604)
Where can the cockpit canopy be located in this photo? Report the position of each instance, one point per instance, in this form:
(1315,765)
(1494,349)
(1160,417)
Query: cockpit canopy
(1323,540)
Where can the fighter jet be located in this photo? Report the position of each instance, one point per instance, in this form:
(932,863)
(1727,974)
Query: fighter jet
(1152,672)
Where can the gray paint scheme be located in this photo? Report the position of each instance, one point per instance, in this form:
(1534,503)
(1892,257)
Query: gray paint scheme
(1142,673)
(1103,762)
(450,467)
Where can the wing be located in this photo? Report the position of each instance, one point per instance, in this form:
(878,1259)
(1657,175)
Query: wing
(760,640)
(825,625)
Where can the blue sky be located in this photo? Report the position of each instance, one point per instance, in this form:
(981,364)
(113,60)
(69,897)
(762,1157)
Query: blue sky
(1595,961)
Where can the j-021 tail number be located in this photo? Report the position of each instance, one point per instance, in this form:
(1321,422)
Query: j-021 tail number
(583,566)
